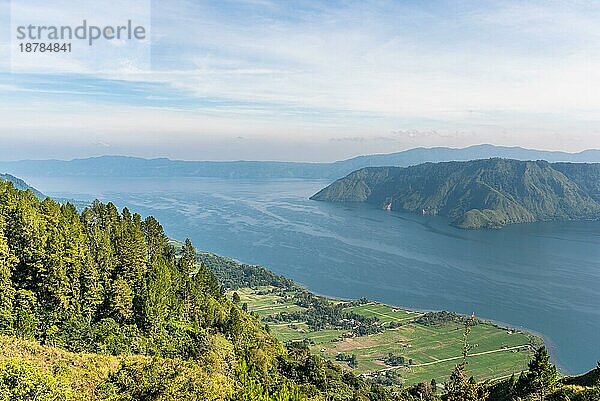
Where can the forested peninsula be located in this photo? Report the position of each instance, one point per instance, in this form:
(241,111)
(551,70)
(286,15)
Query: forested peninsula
(489,193)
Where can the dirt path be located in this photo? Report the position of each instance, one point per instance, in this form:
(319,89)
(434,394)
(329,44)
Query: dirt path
(454,358)
(286,324)
(396,319)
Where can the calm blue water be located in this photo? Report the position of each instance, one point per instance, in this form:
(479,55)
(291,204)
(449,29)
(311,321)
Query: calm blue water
(543,276)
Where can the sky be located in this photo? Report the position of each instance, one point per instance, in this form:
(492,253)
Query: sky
(317,81)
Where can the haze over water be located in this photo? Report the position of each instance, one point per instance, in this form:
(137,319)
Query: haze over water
(543,276)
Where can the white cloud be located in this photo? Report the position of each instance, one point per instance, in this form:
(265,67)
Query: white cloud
(507,72)
(365,67)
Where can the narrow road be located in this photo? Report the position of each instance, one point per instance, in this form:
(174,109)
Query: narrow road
(396,319)
(286,324)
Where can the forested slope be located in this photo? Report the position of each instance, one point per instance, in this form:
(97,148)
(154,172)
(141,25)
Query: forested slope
(480,193)
(20,184)
(79,288)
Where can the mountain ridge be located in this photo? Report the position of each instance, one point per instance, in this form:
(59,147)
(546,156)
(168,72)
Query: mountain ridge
(249,169)
(485,193)
(21,185)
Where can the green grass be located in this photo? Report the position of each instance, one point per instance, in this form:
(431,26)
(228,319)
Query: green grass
(269,304)
(266,304)
(385,313)
(300,331)
(438,349)
(434,350)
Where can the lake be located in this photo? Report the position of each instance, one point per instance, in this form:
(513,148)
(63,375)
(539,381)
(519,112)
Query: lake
(543,276)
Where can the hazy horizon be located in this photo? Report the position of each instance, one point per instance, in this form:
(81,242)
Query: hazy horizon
(99,155)
(316,82)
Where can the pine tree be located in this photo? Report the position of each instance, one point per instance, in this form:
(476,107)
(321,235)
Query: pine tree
(122,300)
(7,291)
(235,298)
(26,320)
(542,377)
(186,265)
(187,261)
(54,293)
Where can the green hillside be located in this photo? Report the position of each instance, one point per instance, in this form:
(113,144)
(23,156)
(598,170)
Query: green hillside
(477,194)
(100,305)
(21,185)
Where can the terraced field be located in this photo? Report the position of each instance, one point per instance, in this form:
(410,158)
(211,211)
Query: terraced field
(429,351)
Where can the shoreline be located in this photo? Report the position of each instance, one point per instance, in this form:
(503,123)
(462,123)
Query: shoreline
(550,346)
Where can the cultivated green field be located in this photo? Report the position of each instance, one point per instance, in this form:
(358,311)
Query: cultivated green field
(430,352)
(266,304)
(436,350)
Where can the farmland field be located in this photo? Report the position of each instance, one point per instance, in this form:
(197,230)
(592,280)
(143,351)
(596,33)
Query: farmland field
(429,351)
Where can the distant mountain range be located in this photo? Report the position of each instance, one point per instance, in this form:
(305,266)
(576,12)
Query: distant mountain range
(139,167)
(487,193)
